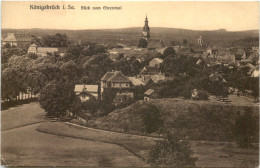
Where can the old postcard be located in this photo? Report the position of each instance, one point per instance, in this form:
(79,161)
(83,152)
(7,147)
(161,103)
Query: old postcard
(130,84)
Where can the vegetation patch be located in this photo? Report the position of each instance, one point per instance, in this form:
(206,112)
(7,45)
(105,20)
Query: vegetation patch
(190,120)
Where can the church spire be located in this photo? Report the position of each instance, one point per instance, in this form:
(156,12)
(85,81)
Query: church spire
(146,29)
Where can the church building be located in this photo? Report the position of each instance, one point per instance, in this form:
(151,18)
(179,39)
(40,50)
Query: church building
(152,44)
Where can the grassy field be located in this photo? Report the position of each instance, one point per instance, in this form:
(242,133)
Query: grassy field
(139,145)
(60,144)
(191,120)
(22,115)
(221,154)
(23,145)
(209,154)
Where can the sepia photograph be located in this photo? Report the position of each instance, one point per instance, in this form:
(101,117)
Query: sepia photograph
(130,84)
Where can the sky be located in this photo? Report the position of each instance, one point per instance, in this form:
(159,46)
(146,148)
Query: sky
(232,16)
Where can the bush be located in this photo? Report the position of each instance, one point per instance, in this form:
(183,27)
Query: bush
(202,95)
(171,152)
(246,128)
(151,118)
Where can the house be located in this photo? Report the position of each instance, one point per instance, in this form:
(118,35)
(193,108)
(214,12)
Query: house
(161,50)
(32,49)
(156,62)
(87,92)
(115,79)
(154,44)
(119,82)
(225,56)
(255,73)
(251,68)
(17,40)
(150,70)
(149,94)
(157,78)
(238,53)
(136,81)
(42,51)
(253,57)
(212,52)
(186,50)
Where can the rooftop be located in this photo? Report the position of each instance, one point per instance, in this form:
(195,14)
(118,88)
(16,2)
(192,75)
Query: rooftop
(149,92)
(18,37)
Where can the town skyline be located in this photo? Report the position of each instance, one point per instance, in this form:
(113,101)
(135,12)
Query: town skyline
(231,16)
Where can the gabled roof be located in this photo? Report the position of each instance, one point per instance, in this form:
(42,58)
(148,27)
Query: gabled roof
(149,92)
(158,77)
(155,43)
(253,56)
(186,50)
(46,50)
(237,51)
(33,45)
(88,89)
(159,60)
(136,81)
(116,76)
(107,76)
(17,37)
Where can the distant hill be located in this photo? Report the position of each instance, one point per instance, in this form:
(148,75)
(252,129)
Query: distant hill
(130,36)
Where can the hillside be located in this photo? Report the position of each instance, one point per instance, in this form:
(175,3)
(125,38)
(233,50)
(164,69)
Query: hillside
(130,36)
(192,120)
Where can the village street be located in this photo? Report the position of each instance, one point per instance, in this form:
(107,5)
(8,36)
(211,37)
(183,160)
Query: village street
(23,145)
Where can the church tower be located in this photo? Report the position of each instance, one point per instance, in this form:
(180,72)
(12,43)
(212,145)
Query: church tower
(146,30)
(200,41)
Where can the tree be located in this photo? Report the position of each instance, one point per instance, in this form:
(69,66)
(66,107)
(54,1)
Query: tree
(142,43)
(256,91)
(168,51)
(139,92)
(69,70)
(56,98)
(7,45)
(57,40)
(173,43)
(76,107)
(9,52)
(151,117)
(32,56)
(171,152)
(36,40)
(185,41)
(107,102)
(245,128)
(97,66)
(173,65)
(15,78)
(124,66)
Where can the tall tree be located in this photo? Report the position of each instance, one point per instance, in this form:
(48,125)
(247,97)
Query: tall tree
(56,98)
